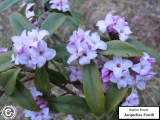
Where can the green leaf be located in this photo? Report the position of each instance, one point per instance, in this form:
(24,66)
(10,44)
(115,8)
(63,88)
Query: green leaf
(42,81)
(10,87)
(19,22)
(70,105)
(7,4)
(62,54)
(114,115)
(114,97)
(56,77)
(5,76)
(23,97)
(141,46)
(53,22)
(119,48)
(42,2)
(93,91)
(5,61)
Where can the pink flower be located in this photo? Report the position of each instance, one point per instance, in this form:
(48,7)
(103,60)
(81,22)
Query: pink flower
(83,46)
(115,25)
(31,50)
(44,113)
(118,66)
(132,99)
(122,81)
(61,5)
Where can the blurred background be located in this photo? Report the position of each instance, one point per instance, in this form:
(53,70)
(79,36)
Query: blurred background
(143,17)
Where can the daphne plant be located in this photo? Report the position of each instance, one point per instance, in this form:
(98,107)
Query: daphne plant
(107,67)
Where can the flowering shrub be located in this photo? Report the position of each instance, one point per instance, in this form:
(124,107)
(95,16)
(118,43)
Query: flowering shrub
(107,67)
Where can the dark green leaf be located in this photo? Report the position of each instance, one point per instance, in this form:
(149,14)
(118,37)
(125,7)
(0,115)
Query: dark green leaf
(93,91)
(7,4)
(141,46)
(5,76)
(53,22)
(19,22)
(5,61)
(42,81)
(10,87)
(119,48)
(114,97)
(70,105)
(56,77)
(23,97)
(114,115)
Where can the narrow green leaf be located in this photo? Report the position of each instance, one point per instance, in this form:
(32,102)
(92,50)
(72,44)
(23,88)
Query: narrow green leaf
(56,77)
(23,97)
(119,48)
(93,91)
(10,87)
(53,22)
(114,97)
(5,76)
(141,46)
(70,105)
(19,22)
(7,4)
(42,81)
(5,61)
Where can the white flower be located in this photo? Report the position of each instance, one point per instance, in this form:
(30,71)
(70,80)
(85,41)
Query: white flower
(96,42)
(141,82)
(132,99)
(44,53)
(118,65)
(83,46)
(115,24)
(31,50)
(44,114)
(35,93)
(61,5)
(69,117)
(29,10)
(123,29)
(122,81)
(142,68)
(75,74)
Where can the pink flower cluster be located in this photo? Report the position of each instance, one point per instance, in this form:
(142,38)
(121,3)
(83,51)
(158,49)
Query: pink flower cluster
(126,73)
(83,45)
(31,50)
(44,113)
(132,99)
(115,25)
(75,74)
(61,5)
